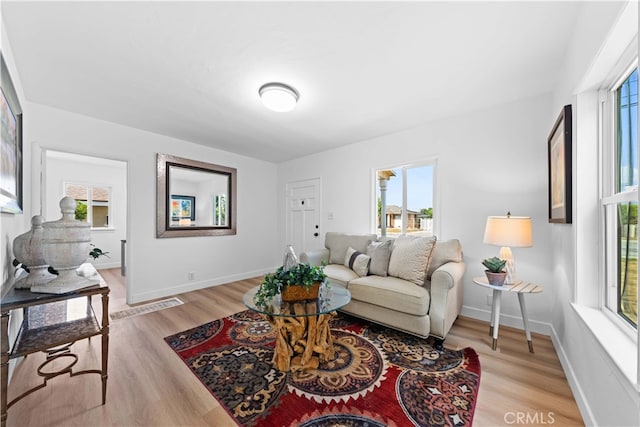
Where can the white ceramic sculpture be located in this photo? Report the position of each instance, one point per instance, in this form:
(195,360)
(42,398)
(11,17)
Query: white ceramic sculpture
(289,258)
(67,243)
(29,250)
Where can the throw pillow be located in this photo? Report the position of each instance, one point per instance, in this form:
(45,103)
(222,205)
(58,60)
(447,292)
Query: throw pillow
(357,261)
(410,258)
(337,243)
(444,252)
(380,253)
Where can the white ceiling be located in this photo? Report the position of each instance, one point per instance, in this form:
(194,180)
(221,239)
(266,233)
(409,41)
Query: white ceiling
(191,70)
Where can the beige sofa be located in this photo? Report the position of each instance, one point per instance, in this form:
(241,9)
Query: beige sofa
(417,289)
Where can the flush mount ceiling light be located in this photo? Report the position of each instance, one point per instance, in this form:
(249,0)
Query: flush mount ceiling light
(278,97)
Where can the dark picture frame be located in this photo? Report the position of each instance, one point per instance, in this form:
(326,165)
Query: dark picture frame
(183,207)
(559,168)
(11,191)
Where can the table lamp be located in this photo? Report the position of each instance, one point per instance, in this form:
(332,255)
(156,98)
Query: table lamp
(509,231)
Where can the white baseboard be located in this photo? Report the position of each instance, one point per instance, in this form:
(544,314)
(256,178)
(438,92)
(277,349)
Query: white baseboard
(194,286)
(544,329)
(507,320)
(104,266)
(578,394)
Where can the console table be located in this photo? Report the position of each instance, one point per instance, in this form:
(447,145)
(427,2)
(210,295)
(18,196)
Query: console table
(51,324)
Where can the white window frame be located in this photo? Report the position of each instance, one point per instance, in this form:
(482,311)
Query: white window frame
(622,350)
(610,198)
(89,186)
(220,205)
(433,162)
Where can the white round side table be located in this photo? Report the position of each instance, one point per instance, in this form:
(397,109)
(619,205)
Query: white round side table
(520,288)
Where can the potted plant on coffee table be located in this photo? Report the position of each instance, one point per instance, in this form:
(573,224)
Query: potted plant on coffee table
(300,282)
(495,270)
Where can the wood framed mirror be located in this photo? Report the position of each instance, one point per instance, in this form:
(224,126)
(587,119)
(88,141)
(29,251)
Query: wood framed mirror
(194,198)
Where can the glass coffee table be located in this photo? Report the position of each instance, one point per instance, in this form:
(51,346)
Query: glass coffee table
(303,334)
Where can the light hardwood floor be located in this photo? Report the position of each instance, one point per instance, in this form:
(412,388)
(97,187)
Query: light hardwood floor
(150,386)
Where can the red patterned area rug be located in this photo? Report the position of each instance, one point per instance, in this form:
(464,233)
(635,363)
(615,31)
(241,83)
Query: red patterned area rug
(380,377)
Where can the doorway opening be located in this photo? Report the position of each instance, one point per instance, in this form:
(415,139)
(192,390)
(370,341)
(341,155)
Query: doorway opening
(99,186)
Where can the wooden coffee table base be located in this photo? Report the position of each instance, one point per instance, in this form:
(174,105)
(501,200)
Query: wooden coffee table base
(303,340)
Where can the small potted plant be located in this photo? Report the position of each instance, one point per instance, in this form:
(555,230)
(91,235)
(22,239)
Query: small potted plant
(300,282)
(97,252)
(495,270)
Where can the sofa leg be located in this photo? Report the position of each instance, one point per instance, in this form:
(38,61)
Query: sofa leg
(438,343)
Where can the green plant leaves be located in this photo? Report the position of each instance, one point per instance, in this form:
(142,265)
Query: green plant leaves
(494,264)
(300,274)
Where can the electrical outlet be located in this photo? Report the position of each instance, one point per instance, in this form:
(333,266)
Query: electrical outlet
(489,300)
(192,275)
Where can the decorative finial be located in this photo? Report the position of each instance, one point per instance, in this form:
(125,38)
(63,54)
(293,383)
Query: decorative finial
(37,221)
(68,208)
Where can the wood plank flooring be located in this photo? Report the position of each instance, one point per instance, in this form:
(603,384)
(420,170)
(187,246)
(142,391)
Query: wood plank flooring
(150,386)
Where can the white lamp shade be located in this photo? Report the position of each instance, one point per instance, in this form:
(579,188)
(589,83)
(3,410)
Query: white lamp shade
(278,97)
(513,231)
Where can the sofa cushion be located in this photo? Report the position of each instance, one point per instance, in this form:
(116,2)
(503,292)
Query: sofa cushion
(391,292)
(380,253)
(357,261)
(410,258)
(338,243)
(339,274)
(444,252)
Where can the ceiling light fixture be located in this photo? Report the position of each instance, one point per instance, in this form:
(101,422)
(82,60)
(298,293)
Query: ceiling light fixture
(278,97)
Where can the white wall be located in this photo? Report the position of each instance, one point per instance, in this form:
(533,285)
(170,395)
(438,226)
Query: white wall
(12,225)
(489,162)
(102,173)
(473,186)
(204,192)
(160,267)
(604,395)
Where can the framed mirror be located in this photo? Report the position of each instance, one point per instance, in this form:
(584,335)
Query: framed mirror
(194,198)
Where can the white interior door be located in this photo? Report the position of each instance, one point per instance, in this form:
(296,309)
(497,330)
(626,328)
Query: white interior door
(303,215)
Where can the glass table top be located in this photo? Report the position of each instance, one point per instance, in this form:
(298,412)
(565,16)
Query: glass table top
(330,299)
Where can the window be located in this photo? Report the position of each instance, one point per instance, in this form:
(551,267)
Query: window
(93,203)
(405,194)
(620,197)
(220,210)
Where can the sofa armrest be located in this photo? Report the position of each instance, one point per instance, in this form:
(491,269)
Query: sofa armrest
(317,257)
(448,275)
(446,297)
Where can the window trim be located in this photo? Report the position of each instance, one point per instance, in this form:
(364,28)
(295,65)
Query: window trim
(429,161)
(89,186)
(620,45)
(608,196)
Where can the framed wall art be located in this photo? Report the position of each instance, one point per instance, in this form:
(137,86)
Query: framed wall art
(183,207)
(559,168)
(10,144)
